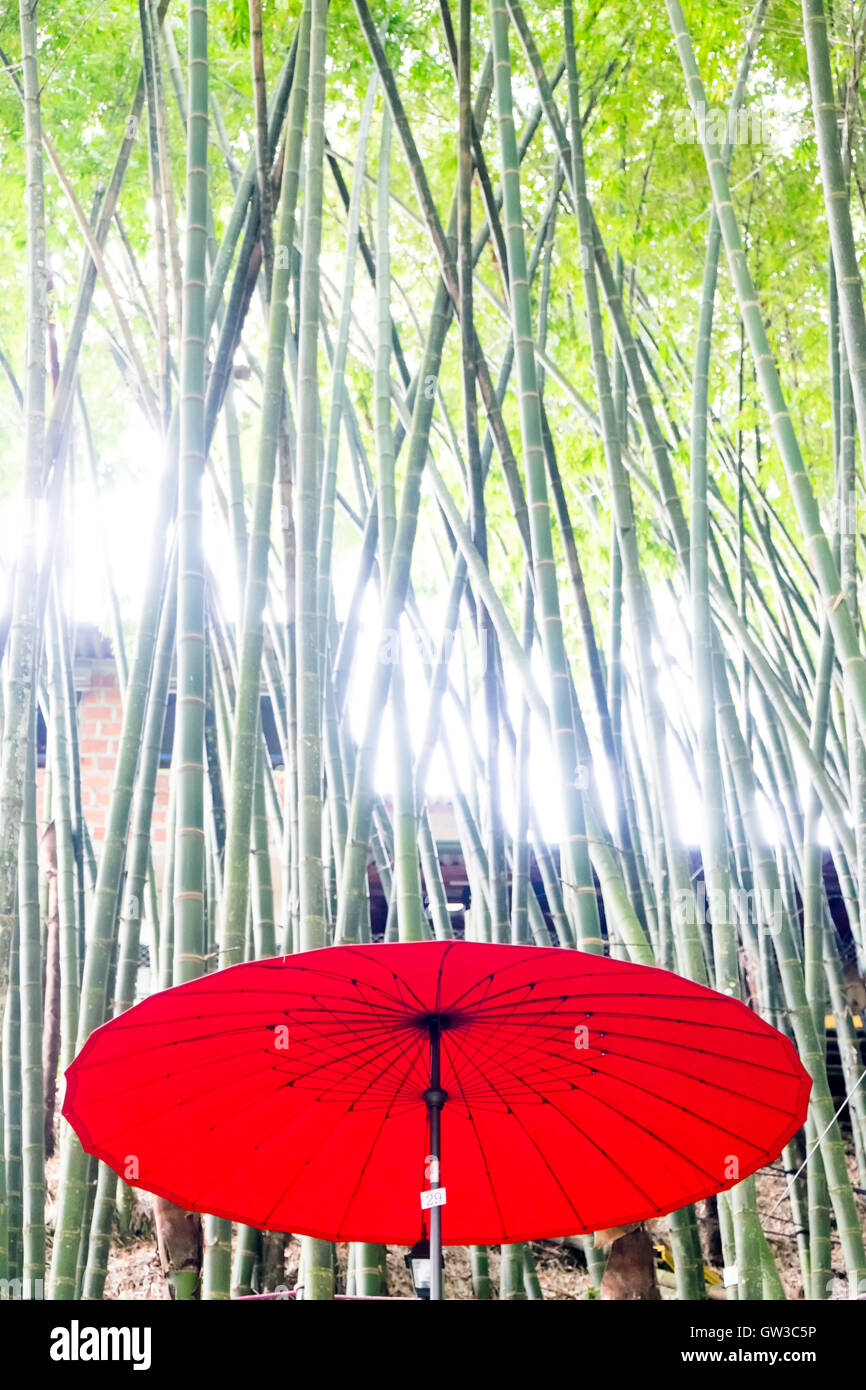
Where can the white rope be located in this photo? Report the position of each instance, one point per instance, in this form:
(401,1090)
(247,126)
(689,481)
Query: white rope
(817,1143)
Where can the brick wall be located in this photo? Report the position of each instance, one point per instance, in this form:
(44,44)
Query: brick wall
(99,725)
(99,722)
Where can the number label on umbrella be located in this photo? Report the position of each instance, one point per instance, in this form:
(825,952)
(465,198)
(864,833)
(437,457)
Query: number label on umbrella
(434,1197)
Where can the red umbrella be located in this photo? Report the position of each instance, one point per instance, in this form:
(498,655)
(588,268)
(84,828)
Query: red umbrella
(305,1093)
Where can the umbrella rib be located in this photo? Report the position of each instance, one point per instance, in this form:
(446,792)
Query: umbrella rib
(181,1071)
(220,1085)
(478,1139)
(331,973)
(288,989)
(449,946)
(541,1154)
(576,1006)
(210,985)
(525,1080)
(715,1085)
(348,1055)
(200,1134)
(581,1003)
(580,974)
(582,971)
(355,1044)
(548,1101)
(666,1066)
(213,1090)
(372,955)
(385,1117)
(145,1024)
(485,1041)
(684,1109)
(200,1201)
(327,1139)
(384,1032)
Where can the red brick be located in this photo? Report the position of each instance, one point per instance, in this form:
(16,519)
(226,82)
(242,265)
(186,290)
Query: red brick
(93,708)
(90,747)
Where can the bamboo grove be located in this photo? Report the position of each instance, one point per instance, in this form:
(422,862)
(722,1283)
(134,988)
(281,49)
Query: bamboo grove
(450,465)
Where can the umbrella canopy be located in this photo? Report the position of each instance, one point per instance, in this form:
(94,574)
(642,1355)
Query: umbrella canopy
(582,1092)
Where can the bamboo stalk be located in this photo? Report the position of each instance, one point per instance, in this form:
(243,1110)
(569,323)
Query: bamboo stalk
(22,653)
(581,901)
(246,730)
(30,988)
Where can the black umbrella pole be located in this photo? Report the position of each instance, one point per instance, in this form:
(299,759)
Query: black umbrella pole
(435,1098)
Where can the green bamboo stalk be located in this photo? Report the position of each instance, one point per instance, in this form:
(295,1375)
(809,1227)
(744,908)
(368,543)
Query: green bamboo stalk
(581,902)
(65,386)
(837,204)
(246,1255)
(714,847)
(773,1288)
(131,913)
(337,767)
(856,749)
(352,900)
(360,814)
(158,210)
(30,988)
(262,144)
(411,925)
(313,924)
(61,805)
(520,885)
(777,925)
(246,731)
(189,739)
(166,935)
(467,139)
(815,539)
(691,961)
(318,1267)
(530,1275)
(688,1259)
(820,1249)
(263,889)
(22,654)
(337,398)
(482,1287)
(188,761)
(12,1114)
(74,1165)
(511,1282)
